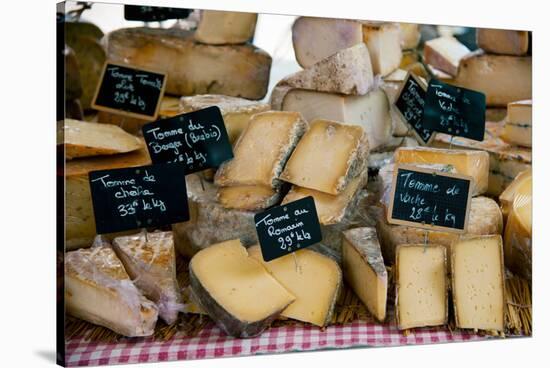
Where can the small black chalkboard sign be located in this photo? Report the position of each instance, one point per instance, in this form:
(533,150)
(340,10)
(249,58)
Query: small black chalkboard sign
(430,199)
(410,107)
(131,198)
(198,139)
(287,228)
(130,91)
(454,110)
(153,13)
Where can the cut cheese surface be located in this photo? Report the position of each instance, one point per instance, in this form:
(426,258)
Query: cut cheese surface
(478,283)
(518,124)
(314,279)
(262,150)
(248,197)
(409,34)
(470,163)
(503,41)
(364,269)
(83,139)
(444,53)
(328,156)
(421,286)
(384,43)
(224,27)
(507,197)
(235,290)
(169,106)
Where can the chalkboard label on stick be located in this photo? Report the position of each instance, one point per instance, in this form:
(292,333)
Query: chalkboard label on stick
(287,228)
(153,13)
(430,199)
(455,110)
(198,139)
(137,197)
(410,107)
(130,91)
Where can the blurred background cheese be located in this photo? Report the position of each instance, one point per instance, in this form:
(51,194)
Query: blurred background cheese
(507,197)
(223,27)
(502,41)
(518,124)
(444,53)
(409,35)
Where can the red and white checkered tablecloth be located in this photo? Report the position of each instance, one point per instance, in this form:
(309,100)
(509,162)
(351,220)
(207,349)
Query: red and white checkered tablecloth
(211,342)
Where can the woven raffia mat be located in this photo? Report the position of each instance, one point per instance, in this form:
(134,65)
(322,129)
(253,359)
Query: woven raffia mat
(348,309)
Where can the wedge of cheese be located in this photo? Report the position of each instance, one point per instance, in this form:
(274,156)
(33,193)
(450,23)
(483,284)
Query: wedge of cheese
(507,197)
(421,286)
(83,139)
(518,125)
(248,197)
(364,269)
(409,35)
(98,290)
(150,260)
(314,279)
(316,38)
(235,290)
(193,68)
(371,111)
(236,111)
(470,163)
(478,283)
(444,53)
(328,157)
(262,150)
(503,41)
(224,27)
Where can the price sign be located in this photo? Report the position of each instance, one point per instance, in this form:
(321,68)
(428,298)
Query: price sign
(287,228)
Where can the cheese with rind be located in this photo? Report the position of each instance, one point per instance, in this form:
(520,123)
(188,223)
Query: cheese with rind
(409,34)
(444,53)
(224,27)
(507,197)
(248,197)
(503,41)
(518,124)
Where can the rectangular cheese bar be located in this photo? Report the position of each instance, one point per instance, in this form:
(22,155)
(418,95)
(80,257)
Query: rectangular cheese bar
(262,150)
(300,273)
(478,283)
(248,197)
(224,27)
(503,41)
(364,269)
(421,286)
(193,68)
(444,53)
(235,290)
(518,124)
(328,157)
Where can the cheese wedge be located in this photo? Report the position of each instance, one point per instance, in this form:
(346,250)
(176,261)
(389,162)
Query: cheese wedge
(314,279)
(518,125)
(98,290)
(421,286)
(236,111)
(409,35)
(248,197)
(364,269)
(478,283)
(235,290)
(507,197)
(150,260)
(223,27)
(444,53)
(371,111)
(470,163)
(193,68)
(503,41)
(328,157)
(83,139)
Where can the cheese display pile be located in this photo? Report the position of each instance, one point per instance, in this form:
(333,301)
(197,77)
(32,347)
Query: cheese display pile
(329,131)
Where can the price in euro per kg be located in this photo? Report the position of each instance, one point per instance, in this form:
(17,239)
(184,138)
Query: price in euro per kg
(286,242)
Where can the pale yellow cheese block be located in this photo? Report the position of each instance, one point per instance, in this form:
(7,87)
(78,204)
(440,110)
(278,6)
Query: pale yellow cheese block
(503,41)
(409,34)
(421,286)
(235,290)
(444,53)
(248,197)
(314,279)
(478,282)
(364,269)
(328,157)
(518,124)
(224,27)
(507,197)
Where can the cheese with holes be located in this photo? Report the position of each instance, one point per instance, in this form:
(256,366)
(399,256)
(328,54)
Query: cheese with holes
(83,139)
(262,150)
(235,290)
(507,197)
(210,222)
(364,269)
(98,290)
(518,124)
(444,53)
(150,260)
(503,41)
(316,38)
(470,163)
(328,157)
(421,286)
(314,279)
(193,68)
(409,35)
(224,27)
(79,213)
(478,283)
(248,197)
(371,111)
(236,111)
(518,233)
